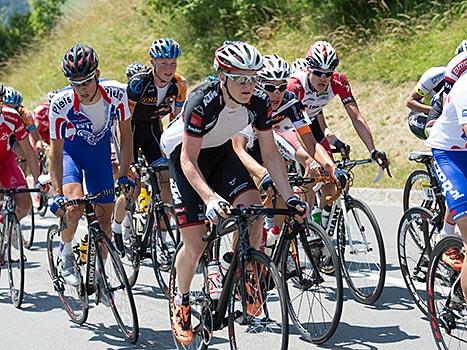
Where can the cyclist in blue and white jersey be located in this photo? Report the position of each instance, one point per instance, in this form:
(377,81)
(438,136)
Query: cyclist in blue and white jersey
(81,120)
(448,140)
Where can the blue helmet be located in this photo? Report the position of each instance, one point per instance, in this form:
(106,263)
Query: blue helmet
(12,98)
(165,48)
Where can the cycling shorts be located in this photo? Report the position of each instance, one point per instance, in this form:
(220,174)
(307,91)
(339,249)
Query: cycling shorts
(451,171)
(11,175)
(96,169)
(224,173)
(319,136)
(147,139)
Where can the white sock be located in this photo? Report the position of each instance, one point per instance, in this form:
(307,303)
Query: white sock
(448,229)
(66,248)
(126,222)
(116,228)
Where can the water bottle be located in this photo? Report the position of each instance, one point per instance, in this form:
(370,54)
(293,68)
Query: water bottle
(83,249)
(272,237)
(215,281)
(225,263)
(316,215)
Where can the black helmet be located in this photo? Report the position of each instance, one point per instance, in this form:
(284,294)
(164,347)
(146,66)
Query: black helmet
(79,61)
(2,90)
(417,122)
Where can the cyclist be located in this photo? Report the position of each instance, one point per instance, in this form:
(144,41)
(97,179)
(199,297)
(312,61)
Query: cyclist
(299,64)
(448,140)
(134,68)
(40,116)
(153,94)
(204,168)
(315,88)
(81,119)
(11,175)
(289,126)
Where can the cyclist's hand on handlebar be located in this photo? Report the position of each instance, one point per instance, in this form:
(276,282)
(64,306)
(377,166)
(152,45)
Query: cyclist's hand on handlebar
(382,160)
(125,184)
(57,205)
(341,177)
(343,148)
(302,207)
(216,208)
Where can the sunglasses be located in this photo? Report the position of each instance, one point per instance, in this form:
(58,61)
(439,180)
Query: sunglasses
(321,74)
(82,83)
(242,79)
(274,87)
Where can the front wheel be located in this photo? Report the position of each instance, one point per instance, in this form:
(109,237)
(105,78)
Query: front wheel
(361,250)
(27,228)
(446,304)
(418,191)
(257,311)
(118,291)
(15,261)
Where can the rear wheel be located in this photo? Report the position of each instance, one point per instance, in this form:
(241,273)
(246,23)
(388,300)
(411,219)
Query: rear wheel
(257,310)
(418,191)
(15,261)
(73,298)
(446,304)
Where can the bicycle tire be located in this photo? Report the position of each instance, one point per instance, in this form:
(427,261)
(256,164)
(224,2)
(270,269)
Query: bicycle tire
(312,254)
(272,295)
(200,313)
(28,233)
(411,244)
(162,271)
(130,331)
(132,258)
(356,270)
(15,260)
(415,176)
(77,311)
(445,303)
(44,204)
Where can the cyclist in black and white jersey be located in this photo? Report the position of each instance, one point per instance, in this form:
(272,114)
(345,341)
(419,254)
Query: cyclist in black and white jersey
(205,171)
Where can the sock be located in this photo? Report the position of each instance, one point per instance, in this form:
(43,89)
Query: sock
(448,229)
(182,299)
(65,248)
(269,222)
(126,222)
(325,215)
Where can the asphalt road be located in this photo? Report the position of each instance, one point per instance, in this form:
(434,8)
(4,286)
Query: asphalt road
(393,323)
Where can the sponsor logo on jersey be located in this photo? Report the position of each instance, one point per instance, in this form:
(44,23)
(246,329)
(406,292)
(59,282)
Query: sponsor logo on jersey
(61,103)
(209,97)
(196,120)
(460,68)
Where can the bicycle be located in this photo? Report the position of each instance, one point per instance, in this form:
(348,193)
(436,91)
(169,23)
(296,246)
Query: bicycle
(446,304)
(44,196)
(359,242)
(11,245)
(251,276)
(106,279)
(421,185)
(159,233)
(418,229)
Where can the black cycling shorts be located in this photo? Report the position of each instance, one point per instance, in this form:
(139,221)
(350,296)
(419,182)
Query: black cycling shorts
(147,138)
(224,173)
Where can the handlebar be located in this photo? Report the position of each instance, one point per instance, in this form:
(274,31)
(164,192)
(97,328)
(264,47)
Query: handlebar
(87,198)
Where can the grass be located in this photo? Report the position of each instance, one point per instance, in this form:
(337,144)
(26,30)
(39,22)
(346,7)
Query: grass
(382,73)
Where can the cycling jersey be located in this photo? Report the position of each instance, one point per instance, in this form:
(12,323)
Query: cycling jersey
(11,175)
(454,70)
(430,83)
(151,103)
(206,115)
(86,150)
(41,119)
(448,133)
(314,101)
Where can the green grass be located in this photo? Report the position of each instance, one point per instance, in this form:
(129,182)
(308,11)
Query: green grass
(382,73)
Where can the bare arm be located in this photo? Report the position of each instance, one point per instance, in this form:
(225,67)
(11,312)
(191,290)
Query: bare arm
(31,158)
(316,151)
(126,147)
(56,165)
(413,102)
(255,169)
(191,147)
(273,162)
(360,125)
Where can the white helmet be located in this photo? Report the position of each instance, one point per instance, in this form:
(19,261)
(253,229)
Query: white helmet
(462,47)
(322,55)
(299,64)
(2,90)
(237,55)
(275,68)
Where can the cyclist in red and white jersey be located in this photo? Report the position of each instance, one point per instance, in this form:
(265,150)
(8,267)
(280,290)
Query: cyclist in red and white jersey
(40,115)
(11,176)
